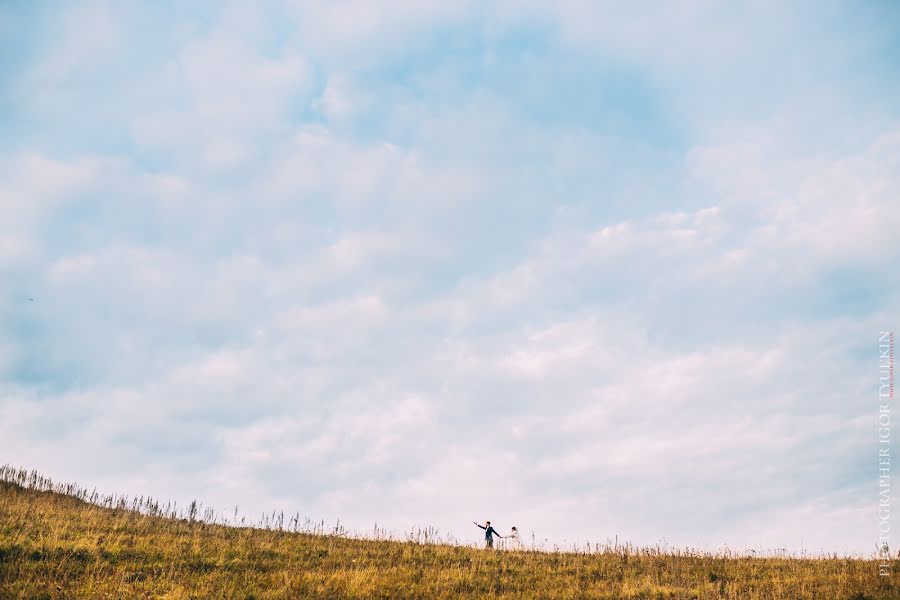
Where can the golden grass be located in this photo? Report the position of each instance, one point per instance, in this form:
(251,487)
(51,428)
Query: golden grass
(60,541)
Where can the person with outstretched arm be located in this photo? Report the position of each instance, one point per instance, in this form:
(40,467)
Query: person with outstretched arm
(489,532)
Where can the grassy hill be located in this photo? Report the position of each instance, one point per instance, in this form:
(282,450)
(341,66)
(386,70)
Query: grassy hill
(61,541)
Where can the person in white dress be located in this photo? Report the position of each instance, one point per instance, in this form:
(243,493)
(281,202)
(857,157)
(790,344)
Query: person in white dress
(514,543)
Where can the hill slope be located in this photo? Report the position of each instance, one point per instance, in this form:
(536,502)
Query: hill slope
(57,545)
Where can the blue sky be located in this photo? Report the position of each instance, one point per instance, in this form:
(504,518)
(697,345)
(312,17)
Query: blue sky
(588,269)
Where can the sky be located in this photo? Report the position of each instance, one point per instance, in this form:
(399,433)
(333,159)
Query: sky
(595,269)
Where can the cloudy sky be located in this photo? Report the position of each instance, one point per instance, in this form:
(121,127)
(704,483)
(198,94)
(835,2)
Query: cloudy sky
(590,269)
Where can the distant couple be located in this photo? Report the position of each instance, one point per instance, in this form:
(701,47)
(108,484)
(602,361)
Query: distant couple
(490,532)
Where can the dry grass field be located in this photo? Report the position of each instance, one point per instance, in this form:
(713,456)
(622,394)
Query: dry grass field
(61,541)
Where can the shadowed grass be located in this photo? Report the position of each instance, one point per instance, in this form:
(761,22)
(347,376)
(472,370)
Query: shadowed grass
(61,541)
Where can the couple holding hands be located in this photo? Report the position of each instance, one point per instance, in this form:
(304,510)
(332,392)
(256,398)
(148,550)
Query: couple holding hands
(490,532)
